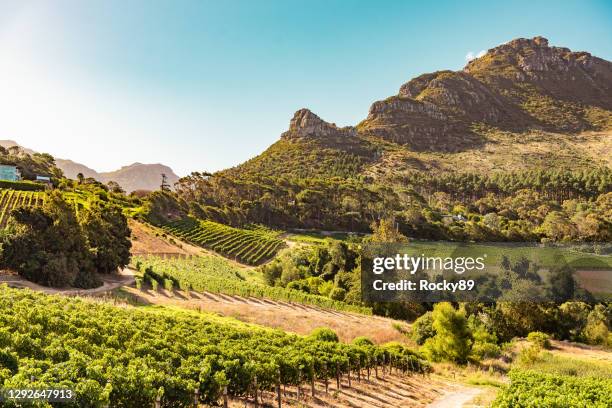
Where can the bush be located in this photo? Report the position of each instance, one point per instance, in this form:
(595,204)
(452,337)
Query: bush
(362,341)
(540,339)
(337,294)
(422,329)
(324,334)
(453,340)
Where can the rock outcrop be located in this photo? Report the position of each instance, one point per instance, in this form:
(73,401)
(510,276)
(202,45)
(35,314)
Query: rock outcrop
(520,85)
(306,124)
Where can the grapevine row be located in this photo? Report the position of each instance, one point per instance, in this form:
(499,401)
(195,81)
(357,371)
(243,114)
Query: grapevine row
(125,357)
(250,246)
(12,199)
(209,274)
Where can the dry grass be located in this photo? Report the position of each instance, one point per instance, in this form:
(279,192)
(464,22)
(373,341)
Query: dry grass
(149,240)
(505,151)
(289,317)
(395,390)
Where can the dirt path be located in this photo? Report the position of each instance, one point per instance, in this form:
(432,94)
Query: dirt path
(109,282)
(456,399)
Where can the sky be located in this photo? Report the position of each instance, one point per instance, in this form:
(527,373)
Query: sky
(205,85)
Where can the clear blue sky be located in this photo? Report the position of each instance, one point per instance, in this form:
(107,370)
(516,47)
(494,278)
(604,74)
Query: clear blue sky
(204,85)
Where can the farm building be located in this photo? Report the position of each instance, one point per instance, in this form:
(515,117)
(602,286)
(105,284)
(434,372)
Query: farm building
(10,173)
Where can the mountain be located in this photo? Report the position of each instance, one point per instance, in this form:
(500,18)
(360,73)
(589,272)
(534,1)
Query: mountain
(522,105)
(136,176)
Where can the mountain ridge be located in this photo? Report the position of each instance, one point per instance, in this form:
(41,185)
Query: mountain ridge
(523,104)
(136,176)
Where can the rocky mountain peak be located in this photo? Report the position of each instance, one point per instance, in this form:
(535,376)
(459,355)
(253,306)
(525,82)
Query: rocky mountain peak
(306,124)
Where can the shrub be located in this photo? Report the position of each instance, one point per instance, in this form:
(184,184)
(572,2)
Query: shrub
(324,334)
(540,339)
(453,340)
(337,294)
(422,329)
(362,341)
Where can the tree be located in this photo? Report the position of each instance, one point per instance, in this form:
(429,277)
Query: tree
(48,247)
(108,236)
(453,340)
(114,187)
(385,232)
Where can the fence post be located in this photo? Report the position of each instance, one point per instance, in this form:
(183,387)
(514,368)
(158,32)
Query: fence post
(278,389)
(225,397)
(338,385)
(255,385)
(312,381)
(376,367)
(359,370)
(325,376)
(196,397)
(383,365)
(299,381)
(349,374)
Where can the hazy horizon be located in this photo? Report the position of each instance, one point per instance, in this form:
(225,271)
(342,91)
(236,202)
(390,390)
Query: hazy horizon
(203,85)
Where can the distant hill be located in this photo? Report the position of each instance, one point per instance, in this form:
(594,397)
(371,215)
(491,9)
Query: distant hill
(136,176)
(522,105)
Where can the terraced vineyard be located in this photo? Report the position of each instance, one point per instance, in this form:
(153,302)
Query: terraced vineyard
(251,246)
(11,199)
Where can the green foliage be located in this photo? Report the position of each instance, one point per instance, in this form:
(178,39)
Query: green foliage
(540,339)
(124,356)
(530,389)
(14,198)
(338,294)
(248,246)
(22,185)
(453,340)
(324,334)
(422,328)
(216,275)
(362,341)
(30,165)
(55,242)
(48,246)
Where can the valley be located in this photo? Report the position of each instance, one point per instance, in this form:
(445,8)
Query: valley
(240,285)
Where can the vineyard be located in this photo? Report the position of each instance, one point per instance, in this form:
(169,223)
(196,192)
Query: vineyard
(11,199)
(533,389)
(211,274)
(127,357)
(250,246)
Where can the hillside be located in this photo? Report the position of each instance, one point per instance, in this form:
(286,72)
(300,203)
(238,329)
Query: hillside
(137,176)
(523,105)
